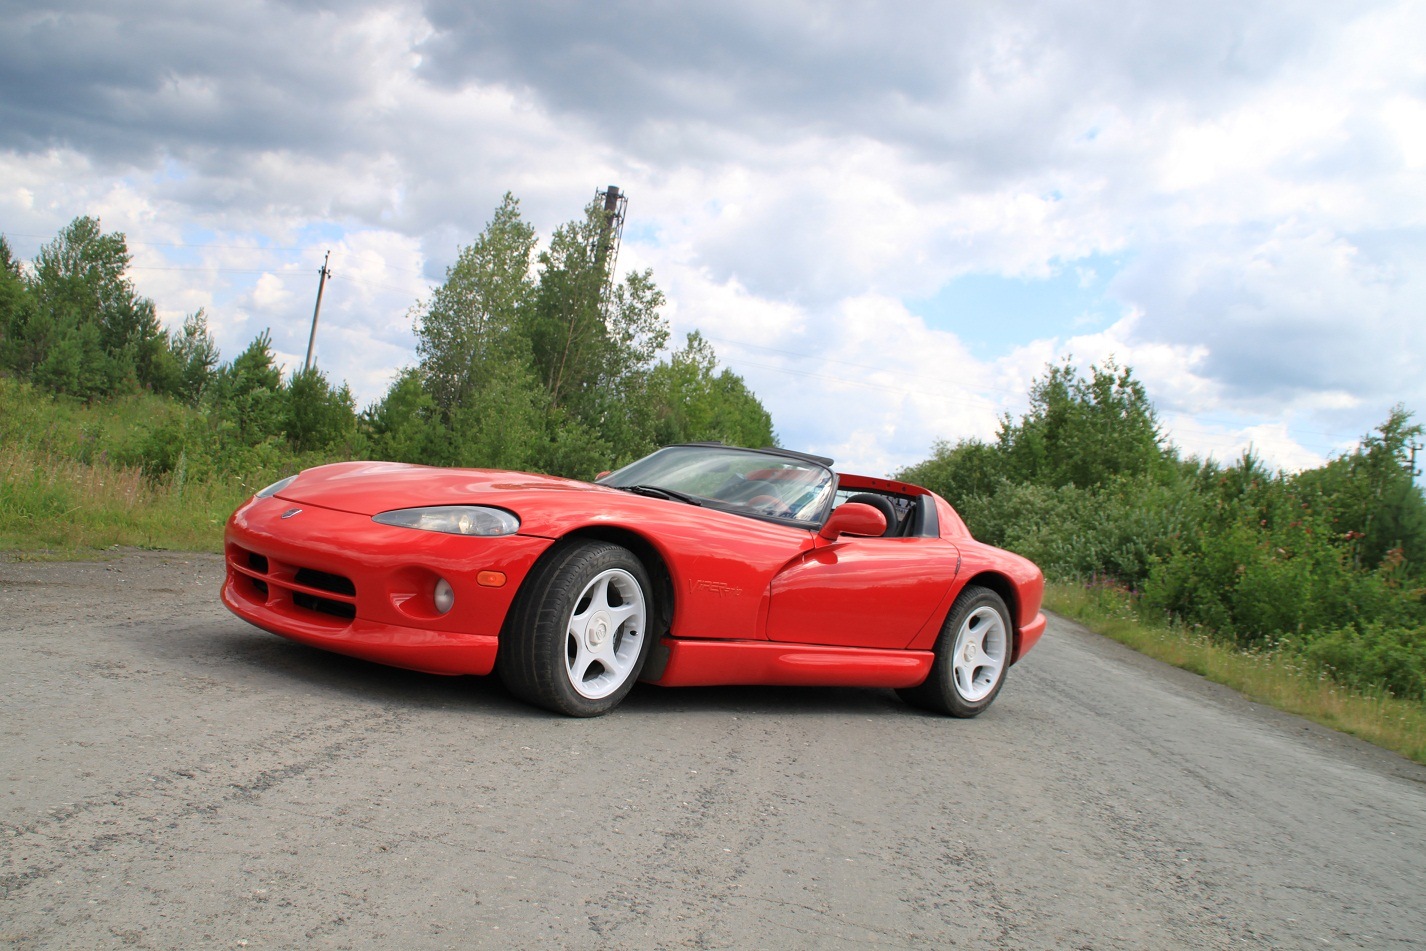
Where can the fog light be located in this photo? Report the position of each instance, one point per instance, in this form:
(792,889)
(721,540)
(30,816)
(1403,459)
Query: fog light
(445,597)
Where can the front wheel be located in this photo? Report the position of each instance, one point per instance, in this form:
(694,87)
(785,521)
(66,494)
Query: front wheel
(972,654)
(578,633)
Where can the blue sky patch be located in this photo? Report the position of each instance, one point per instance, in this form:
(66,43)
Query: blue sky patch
(993,314)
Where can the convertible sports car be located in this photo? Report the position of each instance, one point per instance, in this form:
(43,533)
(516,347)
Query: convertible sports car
(700,564)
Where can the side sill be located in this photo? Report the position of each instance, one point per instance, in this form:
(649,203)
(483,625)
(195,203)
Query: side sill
(707,663)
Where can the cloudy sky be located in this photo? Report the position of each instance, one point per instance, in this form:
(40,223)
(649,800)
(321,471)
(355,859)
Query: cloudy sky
(887,222)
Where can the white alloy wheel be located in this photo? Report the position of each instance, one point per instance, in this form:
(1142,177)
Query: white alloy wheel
(605,634)
(973,653)
(980,653)
(577,635)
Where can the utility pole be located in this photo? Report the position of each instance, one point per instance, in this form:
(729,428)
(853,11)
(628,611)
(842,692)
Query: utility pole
(321,283)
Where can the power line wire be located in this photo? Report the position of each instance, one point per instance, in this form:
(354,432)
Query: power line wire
(257,249)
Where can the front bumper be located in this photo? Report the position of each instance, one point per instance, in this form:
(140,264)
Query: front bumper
(344,583)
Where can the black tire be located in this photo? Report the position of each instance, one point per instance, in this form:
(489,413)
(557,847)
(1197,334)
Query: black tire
(978,634)
(578,632)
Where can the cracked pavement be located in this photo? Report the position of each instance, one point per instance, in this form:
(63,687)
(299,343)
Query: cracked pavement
(171,777)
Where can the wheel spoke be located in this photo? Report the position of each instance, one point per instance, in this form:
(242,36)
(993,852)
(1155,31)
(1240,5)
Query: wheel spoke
(598,601)
(623,613)
(583,658)
(616,662)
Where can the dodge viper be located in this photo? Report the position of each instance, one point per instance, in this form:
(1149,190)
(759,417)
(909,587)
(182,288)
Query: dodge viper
(700,564)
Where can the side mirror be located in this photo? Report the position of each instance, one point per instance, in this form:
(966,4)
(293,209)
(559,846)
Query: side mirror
(602,475)
(854,518)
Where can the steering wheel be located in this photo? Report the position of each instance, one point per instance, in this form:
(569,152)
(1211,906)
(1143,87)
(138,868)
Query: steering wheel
(771,505)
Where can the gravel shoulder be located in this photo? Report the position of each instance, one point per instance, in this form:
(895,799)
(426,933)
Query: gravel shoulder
(171,777)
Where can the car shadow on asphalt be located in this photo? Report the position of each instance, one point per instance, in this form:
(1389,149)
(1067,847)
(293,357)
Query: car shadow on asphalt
(266,661)
(264,657)
(765,701)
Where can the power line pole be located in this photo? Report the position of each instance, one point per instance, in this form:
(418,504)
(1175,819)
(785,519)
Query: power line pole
(321,283)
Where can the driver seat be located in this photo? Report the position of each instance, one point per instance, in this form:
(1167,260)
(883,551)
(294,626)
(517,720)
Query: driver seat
(883,505)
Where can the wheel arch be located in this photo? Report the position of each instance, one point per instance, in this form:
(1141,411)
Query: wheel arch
(1006,589)
(642,549)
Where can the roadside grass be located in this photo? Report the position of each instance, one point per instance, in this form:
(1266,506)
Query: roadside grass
(1277,678)
(64,507)
(76,477)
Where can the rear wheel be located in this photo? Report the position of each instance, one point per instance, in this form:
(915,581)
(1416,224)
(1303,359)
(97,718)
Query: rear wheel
(972,655)
(578,633)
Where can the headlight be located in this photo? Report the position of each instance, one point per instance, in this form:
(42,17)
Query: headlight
(453,520)
(276,487)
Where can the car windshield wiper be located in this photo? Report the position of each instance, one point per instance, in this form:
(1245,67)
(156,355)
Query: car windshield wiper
(659,492)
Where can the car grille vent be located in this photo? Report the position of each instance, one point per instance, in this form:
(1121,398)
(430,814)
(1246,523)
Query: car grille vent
(258,563)
(324,605)
(306,589)
(320,579)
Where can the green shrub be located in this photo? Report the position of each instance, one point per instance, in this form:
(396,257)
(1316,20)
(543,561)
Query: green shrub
(1376,655)
(1120,530)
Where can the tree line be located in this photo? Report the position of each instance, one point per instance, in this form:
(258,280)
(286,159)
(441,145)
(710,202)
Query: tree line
(530,357)
(526,358)
(1329,563)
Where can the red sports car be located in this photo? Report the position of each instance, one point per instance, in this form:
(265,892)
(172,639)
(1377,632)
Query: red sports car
(697,565)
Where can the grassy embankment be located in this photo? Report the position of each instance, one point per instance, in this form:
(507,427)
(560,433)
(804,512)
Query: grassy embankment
(73,479)
(72,482)
(55,506)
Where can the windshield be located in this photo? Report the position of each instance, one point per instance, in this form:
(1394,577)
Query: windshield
(743,481)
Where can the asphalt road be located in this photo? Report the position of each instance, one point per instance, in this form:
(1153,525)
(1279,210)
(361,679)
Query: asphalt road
(173,778)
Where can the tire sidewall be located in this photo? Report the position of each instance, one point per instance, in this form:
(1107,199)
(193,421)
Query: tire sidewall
(939,692)
(970,601)
(548,606)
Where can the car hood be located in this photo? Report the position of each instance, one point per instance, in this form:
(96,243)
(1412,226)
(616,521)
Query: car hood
(366,488)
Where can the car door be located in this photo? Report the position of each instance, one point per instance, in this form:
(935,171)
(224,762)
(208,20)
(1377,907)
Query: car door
(861,592)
